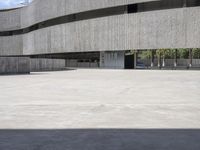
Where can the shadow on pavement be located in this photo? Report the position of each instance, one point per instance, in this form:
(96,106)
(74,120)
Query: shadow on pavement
(58,70)
(101,139)
(37,72)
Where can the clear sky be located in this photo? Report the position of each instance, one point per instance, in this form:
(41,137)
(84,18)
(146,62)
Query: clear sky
(10,3)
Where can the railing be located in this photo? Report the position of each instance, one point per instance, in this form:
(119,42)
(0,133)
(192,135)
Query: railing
(170,62)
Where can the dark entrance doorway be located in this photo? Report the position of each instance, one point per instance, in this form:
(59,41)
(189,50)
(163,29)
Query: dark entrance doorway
(129,61)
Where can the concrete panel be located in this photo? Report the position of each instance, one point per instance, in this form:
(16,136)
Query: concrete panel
(41,64)
(42,42)
(112,60)
(158,29)
(57,38)
(10,20)
(14,65)
(29,43)
(11,45)
(192,26)
(72,63)
(94,34)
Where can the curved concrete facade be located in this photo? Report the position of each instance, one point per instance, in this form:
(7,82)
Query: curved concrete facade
(169,28)
(41,10)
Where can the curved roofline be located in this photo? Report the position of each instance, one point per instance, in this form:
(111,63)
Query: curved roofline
(16,7)
(13,8)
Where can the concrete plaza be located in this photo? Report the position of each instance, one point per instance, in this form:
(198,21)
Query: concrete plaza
(144,106)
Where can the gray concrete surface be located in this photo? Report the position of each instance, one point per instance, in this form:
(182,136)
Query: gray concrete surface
(100,109)
(145,30)
(14,65)
(112,60)
(42,64)
(101,99)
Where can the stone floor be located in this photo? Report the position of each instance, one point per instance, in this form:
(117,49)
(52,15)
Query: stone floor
(100,109)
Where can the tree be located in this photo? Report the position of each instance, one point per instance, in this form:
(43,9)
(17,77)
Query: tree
(170,53)
(146,54)
(196,53)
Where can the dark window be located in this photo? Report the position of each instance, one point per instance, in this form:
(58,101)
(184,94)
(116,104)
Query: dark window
(158,5)
(133,8)
(192,3)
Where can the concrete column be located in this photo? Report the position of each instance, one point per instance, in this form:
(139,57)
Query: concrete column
(159,60)
(163,61)
(152,58)
(135,59)
(175,58)
(190,58)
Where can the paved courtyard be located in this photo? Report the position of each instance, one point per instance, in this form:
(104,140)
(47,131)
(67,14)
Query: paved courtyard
(119,103)
(101,99)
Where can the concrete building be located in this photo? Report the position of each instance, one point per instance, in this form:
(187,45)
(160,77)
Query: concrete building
(97,33)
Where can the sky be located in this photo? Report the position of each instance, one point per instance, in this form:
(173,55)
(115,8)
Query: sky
(10,3)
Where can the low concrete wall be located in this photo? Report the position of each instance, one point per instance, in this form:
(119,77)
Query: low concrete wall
(75,64)
(42,64)
(112,60)
(14,65)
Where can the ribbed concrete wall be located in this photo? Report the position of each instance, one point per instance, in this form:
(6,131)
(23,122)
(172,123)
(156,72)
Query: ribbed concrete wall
(75,64)
(41,10)
(112,60)
(10,20)
(177,28)
(11,45)
(174,28)
(41,64)
(23,65)
(14,65)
